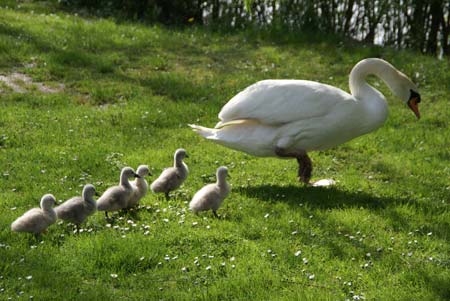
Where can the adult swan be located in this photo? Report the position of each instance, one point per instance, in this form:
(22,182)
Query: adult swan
(288,118)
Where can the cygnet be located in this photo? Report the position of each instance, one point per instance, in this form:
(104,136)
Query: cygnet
(140,186)
(171,178)
(78,208)
(116,197)
(37,220)
(211,196)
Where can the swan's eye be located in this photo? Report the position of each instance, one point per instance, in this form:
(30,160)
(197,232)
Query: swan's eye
(415,95)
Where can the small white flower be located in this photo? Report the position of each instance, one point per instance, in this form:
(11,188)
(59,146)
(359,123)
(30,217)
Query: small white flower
(266,215)
(311,277)
(297,253)
(208,268)
(114,276)
(368,255)
(305,261)
(233,258)
(294,232)
(194,224)
(430,233)
(29,277)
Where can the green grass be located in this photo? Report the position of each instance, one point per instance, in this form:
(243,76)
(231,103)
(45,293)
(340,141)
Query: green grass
(382,232)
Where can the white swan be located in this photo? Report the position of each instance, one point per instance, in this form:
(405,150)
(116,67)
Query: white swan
(37,220)
(116,197)
(140,186)
(288,118)
(78,208)
(211,196)
(172,177)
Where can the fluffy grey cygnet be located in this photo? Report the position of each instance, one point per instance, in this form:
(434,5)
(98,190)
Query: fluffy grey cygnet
(172,177)
(78,208)
(37,220)
(116,197)
(212,195)
(140,186)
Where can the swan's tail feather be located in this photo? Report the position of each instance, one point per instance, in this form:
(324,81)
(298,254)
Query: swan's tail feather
(222,124)
(203,131)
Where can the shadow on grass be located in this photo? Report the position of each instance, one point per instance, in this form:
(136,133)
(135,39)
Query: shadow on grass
(317,197)
(333,198)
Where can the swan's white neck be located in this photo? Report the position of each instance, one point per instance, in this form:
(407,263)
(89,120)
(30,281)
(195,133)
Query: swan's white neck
(221,179)
(358,84)
(124,180)
(372,101)
(88,197)
(140,182)
(178,162)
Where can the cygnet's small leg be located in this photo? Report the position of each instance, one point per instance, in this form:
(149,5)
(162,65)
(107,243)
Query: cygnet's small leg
(304,163)
(215,213)
(167,195)
(106,215)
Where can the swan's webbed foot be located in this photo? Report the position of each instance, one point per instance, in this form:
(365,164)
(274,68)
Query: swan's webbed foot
(304,163)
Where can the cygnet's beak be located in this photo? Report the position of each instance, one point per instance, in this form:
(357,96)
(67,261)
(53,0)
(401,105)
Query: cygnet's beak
(186,156)
(97,193)
(137,176)
(228,175)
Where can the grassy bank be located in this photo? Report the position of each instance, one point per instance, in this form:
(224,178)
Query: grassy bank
(122,94)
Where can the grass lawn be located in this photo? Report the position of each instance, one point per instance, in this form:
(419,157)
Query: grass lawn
(123,94)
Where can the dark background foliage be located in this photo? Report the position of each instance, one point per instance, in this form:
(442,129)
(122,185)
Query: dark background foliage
(418,24)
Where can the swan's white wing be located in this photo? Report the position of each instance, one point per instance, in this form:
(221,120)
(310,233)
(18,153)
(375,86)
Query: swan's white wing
(276,102)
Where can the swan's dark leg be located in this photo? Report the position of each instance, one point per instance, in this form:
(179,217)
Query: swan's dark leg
(304,168)
(304,163)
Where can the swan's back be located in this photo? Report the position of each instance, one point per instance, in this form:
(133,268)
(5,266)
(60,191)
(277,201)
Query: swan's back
(170,179)
(75,210)
(208,197)
(34,220)
(140,188)
(114,198)
(276,102)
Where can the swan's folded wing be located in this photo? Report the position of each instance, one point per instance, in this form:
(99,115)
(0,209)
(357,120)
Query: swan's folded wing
(275,102)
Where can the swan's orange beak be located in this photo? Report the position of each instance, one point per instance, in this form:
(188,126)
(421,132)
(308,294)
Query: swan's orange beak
(413,104)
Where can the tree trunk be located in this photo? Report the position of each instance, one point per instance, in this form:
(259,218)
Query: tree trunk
(436,16)
(445,32)
(348,16)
